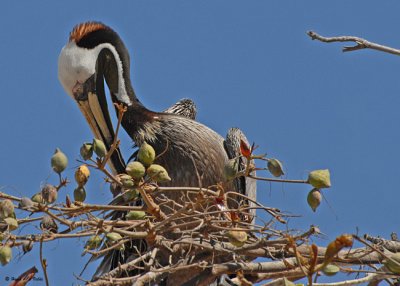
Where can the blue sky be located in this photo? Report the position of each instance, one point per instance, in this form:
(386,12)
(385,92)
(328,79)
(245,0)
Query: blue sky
(247,64)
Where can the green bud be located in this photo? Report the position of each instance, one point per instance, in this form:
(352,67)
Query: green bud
(59,161)
(314,199)
(275,167)
(80,194)
(86,151)
(5,254)
(6,208)
(49,193)
(158,173)
(12,223)
(319,179)
(99,148)
(136,170)
(237,237)
(330,269)
(231,169)
(393,264)
(93,242)
(146,154)
(135,215)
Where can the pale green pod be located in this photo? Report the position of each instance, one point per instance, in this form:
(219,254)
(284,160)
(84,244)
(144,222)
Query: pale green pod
(99,148)
(314,199)
(275,167)
(80,194)
(135,215)
(59,161)
(12,223)
(5,254)
(330,269)
(136,170)
(146,154)
(86,151)
(158,173)
(93,242)
(6,208)
(319,179)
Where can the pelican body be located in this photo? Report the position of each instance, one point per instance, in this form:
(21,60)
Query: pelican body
(193,154)
(95,52)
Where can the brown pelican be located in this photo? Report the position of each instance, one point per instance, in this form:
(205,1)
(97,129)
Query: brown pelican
(193,154)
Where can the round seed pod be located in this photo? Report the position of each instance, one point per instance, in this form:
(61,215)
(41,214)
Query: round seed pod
(158,173)
(146,154)
(37,198)
(59,161)
(314,199)
(5,254)
(6,208)
(93,242)
(113,237)
(126,181)
(79,194)
(12,223)
(393,263)
(25,203)
(319,179)
(49,224)
(136,170)
(82,174)
(275,167)
(135,215)
(86,151)
(237,237)
(330,269)
(49,193)
(99,148)
(231,169)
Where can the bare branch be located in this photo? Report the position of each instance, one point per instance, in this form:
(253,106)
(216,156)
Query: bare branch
(360,43)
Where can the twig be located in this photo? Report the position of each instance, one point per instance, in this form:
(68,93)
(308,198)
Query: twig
(43,262)
(121,111)
(278,180)
(360,43)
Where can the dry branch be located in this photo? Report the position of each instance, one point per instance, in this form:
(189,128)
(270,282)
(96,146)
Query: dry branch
(360,43)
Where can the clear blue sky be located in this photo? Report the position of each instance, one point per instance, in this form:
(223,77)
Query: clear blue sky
(245,63)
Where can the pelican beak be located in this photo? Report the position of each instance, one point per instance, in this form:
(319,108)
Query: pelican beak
(91,99)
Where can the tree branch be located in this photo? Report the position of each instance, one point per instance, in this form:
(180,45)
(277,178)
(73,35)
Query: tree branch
(360,43)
